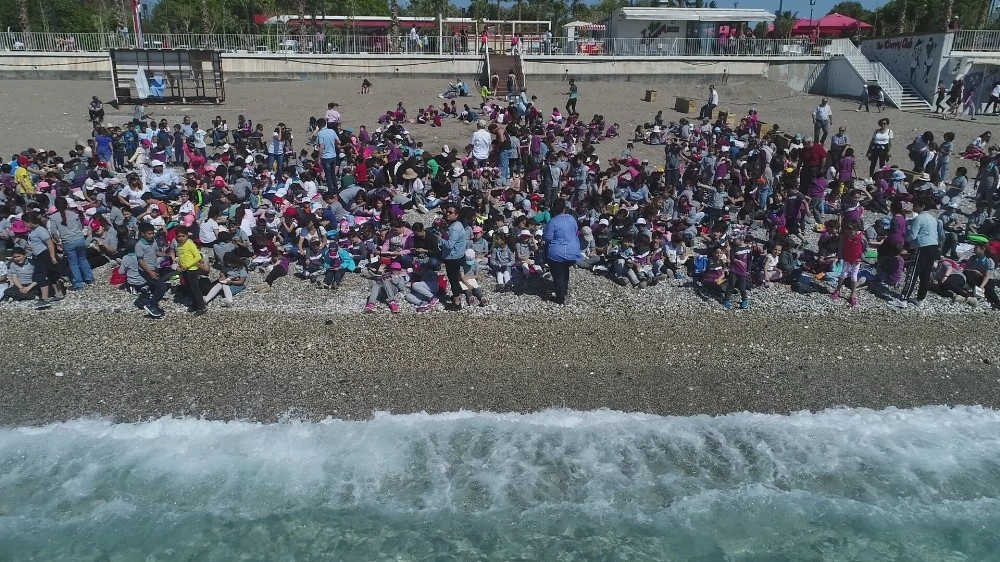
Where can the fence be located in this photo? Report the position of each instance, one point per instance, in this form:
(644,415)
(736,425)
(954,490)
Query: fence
(870,71)
(344,43)
(976,40)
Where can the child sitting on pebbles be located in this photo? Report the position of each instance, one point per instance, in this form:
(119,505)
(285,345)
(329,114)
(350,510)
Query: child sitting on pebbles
(337,261)
(714,276)
(425,285)
(388,285)
(524,251)
(501,261)
(470,280)
(231,281)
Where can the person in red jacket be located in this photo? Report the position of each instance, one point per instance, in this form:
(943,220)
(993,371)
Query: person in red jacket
(813,157)
(852,250)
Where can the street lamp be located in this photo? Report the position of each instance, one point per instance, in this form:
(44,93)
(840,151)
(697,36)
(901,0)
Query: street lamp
(811,4)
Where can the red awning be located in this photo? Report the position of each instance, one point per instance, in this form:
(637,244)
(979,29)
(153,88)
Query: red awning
(831,24)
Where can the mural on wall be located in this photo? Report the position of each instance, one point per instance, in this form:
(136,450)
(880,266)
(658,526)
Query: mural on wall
(917,60)
(982,77)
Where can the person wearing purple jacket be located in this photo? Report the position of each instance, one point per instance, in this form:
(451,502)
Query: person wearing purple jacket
(562,243)
(739,273)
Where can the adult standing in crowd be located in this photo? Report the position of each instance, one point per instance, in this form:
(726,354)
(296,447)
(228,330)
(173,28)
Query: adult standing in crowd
(327,141)
(880,146)
(822,118)
(562,248)
(574,94)
(924,243)
(481,141)
(453,244)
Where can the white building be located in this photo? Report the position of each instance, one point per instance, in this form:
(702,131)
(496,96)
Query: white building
(676,30)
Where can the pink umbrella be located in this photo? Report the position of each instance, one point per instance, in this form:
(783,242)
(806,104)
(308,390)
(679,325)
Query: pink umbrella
(830,24)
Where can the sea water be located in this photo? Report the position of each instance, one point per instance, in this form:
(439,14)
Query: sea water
(844,484)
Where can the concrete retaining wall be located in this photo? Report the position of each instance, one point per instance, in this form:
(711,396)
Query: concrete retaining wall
(842,80)
(803,73)
(261,67)
(58,66)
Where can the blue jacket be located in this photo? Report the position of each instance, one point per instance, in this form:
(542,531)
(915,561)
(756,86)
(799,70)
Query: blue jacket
(922,231)
(563,243)
(454,242)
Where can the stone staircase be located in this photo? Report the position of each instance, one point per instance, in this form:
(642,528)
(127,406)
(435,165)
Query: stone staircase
(870,71)
(911,100)
(501,64)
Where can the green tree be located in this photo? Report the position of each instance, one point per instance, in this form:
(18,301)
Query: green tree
(853,10)
(783,24)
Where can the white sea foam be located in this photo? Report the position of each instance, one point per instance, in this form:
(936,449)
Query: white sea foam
(916,483)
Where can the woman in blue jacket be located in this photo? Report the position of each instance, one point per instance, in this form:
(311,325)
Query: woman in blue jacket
(562,247)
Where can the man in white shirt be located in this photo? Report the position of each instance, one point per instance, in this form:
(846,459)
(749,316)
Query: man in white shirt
(822,118)
(994,99)
(481,141)
(332,115)
(713,102)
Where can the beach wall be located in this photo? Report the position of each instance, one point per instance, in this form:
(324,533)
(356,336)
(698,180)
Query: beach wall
(260,67)
(54,66)
(801,73)
(797,74)
(841,79)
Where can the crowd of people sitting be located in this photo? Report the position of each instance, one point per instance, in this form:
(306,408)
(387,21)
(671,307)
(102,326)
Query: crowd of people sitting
(203,213)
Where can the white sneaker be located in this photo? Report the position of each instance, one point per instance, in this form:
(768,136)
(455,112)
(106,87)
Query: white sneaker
(898,303)
(916,302)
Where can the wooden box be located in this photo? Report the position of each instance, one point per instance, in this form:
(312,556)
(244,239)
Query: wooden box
(717,113)
(783,140)
(650,96)
(686,105)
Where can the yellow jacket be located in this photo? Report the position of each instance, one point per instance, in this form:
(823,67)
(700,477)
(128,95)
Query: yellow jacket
(24,184)
(188,256)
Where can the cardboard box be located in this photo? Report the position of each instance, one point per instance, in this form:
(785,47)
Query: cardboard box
(686,105)
(783,140)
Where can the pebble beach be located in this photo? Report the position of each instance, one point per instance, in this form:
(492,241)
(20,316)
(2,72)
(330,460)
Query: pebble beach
(305,352)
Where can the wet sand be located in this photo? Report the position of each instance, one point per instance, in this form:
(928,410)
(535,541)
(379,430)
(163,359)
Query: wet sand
(233,366)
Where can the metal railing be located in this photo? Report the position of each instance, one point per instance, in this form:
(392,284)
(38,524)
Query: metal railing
(869,70)
(343,43)
(976,40)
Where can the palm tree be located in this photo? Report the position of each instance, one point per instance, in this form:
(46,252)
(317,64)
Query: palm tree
(22,6)
(301,27)
(206,19)
(393,18)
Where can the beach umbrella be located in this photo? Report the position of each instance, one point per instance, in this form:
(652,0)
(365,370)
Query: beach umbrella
(830,24)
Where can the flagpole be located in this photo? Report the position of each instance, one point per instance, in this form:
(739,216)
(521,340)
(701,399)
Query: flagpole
(137,22)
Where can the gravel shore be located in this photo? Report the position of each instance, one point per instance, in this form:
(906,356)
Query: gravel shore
(303,352)
(242,365)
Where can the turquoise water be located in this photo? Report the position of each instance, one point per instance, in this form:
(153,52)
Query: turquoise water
(844,484)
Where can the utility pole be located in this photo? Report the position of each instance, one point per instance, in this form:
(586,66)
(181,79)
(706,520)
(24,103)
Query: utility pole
(781,6)
(812,3)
